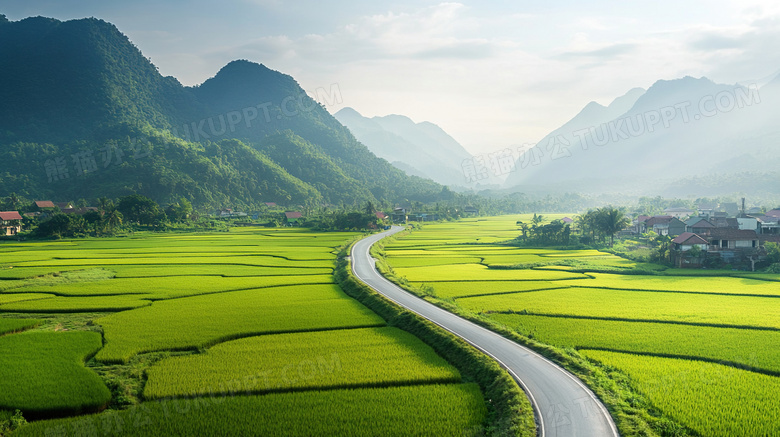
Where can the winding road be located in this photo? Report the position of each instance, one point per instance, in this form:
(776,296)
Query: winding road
(562,404)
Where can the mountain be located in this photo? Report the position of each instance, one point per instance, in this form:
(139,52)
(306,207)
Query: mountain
(422,149)
(84,114)
(661,139)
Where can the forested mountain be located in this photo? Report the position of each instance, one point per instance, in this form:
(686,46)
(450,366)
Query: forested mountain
(84,114)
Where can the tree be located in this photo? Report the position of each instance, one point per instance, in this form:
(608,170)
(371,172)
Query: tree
(772,252)
(180,211)
(140,209)
(611,221)
(369,207)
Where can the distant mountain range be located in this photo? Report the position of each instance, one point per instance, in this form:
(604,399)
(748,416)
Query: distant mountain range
(421,149)
(84,114)
(678,138)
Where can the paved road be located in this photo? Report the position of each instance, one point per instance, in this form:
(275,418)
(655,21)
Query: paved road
(563,405)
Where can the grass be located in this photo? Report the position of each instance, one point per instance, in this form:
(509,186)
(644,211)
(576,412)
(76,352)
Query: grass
(476,272)
(15,325)
(712,399)
(635,305)
(75,304)
(200,321)
(693,284)
(173,286)
(248,260)
(454,289)
(152,271)
(375,357)
(433,410)
(44,373)
(743,347)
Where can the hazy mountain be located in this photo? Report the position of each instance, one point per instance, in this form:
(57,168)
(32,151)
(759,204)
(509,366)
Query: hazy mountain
(84,114)
(422,149)
(685,129)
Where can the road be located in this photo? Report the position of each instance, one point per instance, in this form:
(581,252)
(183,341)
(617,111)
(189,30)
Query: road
(562,404)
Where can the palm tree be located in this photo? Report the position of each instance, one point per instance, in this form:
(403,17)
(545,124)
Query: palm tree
(612,220)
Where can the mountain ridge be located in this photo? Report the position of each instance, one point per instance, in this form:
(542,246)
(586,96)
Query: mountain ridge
(243,137)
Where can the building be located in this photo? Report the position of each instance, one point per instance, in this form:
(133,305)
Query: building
(470,210)
(567,221)
(10,222)
(724,239)
(683,244)
(292,217)
(679,212)
(698,225)
(399,215)
(665,225)
(688,240)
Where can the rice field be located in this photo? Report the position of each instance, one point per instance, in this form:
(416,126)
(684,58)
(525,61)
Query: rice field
(43,372)
(226,309)
(478,272)
(158,288)
(636,305)
(201,321)
(425,410)
(714,400)
(373,357)
(663,330)
(746,347)
(16,325)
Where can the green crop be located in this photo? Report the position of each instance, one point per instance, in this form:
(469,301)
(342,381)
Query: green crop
(435,410)
(712,399)
(200,321)
(635,305)
(332,359)
(43,372)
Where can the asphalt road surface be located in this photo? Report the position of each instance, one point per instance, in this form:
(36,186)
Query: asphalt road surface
(562,404)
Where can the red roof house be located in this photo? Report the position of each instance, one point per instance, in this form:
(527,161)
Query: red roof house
(10,222)
(44,204)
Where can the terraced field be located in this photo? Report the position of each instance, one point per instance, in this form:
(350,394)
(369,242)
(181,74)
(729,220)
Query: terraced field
(247,327)
(711,338)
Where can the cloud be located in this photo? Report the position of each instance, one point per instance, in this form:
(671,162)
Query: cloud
(603,53)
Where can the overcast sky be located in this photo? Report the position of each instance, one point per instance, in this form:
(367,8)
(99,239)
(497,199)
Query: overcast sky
(491,73)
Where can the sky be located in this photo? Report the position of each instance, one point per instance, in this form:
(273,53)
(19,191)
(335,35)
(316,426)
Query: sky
(493,74)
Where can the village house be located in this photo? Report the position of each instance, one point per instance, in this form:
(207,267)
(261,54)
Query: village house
(398,215)
(665,225)
(292,217)
(678,212)
(10,223)
(698,225)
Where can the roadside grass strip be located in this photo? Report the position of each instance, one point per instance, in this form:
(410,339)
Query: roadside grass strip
(477,272)
(174,286)
(373,357)
(431,410)
(742,347)
(712,399)
(150,271)
(457,289)
(44,373)
(691,308)
(15,325)
(682,283)
(200,321)
(76,304)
